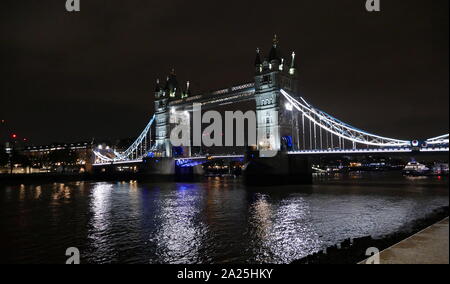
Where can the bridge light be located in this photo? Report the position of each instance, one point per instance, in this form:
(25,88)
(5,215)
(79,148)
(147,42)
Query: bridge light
(289,106)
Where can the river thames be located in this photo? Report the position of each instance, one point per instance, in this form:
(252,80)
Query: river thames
(216,221)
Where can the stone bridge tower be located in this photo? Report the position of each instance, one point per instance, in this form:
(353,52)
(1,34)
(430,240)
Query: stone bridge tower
(163,96)
(277,124)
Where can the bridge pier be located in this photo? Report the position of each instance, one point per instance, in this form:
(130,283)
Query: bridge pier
(282,169)
(166,169)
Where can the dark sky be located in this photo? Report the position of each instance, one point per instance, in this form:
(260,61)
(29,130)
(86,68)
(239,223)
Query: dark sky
(71,77)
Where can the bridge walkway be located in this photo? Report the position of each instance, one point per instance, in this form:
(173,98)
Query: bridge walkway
(430,246)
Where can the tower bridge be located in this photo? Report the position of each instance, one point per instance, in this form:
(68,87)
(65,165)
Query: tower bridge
(286,122)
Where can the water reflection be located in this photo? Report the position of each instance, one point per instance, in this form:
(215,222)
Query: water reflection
(217,221)
(61,192)
(282,232)
(100,222)
(181,231)
(37,192)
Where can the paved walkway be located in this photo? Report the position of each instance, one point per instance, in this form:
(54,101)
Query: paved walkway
(429,246)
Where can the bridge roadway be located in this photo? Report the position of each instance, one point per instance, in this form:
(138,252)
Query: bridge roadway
(184,160)
(370,151)
(178,160)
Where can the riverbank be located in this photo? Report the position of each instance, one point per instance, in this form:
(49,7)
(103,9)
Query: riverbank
(429,246)
(354,251)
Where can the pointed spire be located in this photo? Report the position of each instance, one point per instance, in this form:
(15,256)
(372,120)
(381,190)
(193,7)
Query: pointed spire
(187,92)
(293,68)
(172,83)
(293,60)
(273,55)
(167,87)
(258,58)
(158,86)
(282,64)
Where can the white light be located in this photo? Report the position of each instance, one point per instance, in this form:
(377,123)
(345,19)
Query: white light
(100,147)
(289,106)
(172,110)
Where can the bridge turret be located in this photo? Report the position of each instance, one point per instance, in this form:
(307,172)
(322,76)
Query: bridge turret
(258,62)
(277,125)
(274,58)
(186,93)
(162,116)
(172,87)
(293,69)
(158,90)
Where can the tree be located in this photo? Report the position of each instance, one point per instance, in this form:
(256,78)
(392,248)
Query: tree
(4,158)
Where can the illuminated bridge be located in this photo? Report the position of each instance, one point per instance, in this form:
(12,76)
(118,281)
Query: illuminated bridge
(285,121)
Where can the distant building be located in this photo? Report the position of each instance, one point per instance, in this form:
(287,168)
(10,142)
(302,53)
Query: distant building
(72,156)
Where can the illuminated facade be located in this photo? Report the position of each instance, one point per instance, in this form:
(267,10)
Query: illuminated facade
(277,127)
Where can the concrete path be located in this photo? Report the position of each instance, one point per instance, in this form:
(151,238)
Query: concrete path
(429,246)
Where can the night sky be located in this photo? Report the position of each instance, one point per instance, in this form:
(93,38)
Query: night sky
(75,76)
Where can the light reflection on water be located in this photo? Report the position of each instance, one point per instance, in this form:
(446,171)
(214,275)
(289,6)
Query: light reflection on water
(283,232)
(178,238)
(217,221)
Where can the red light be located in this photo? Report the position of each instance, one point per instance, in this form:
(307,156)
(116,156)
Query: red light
(14,136)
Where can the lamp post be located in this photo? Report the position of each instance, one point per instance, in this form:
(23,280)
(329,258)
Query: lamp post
(13,149)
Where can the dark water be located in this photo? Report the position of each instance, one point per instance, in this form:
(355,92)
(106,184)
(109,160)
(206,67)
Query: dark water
(217,221)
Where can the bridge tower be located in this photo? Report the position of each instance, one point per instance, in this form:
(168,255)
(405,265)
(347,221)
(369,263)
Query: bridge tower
(278,128)
(163,96)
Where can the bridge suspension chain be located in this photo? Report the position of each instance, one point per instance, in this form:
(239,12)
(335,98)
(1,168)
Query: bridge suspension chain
(336,128)
(140,147)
